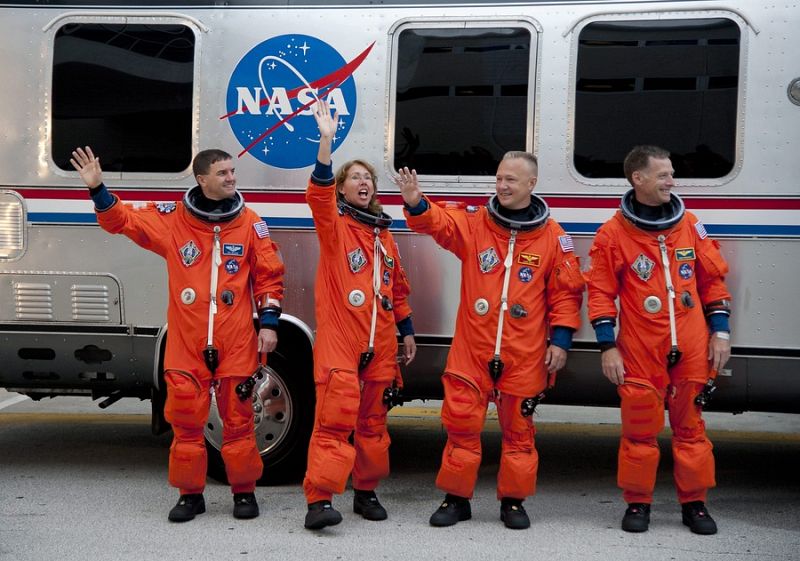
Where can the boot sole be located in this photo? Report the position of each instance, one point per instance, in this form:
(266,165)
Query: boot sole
(378,517)
(323,522)
(515,526)
(449,522)
(700,531)
(200,510)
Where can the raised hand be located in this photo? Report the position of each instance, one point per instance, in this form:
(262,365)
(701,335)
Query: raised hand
(406,181)
(327,125)
(88,166)
(326,122)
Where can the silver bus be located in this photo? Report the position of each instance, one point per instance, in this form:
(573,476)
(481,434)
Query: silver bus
(445,87)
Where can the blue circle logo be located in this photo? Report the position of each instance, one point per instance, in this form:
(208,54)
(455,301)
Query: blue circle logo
(685,271)
(271,93)
(525,274)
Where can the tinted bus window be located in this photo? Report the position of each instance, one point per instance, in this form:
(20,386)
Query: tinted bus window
(670,83)
(125,90)
(461,99)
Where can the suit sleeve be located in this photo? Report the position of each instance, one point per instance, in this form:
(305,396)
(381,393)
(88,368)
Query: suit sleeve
(401,288)
(322,201)
(266,266)
(564,286)
(603,277)
(146,226)
(449,227)
(711,268)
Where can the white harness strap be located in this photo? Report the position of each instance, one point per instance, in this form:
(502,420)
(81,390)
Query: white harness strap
(504,296)
(216,261)
(378,251)
(670,291)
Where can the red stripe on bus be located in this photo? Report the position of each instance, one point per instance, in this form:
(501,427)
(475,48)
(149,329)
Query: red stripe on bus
(557,201)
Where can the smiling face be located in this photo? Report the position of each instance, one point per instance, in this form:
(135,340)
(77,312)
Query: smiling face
(514,183)
(220,181)
(357,186)
(653,183)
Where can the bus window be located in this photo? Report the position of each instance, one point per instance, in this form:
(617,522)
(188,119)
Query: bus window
(672,83)
(126,90)
(461,98)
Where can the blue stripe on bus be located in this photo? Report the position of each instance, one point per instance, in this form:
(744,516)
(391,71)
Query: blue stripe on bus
(577,228)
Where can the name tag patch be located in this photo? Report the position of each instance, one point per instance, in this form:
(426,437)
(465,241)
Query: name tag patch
(235,249)
(530,259)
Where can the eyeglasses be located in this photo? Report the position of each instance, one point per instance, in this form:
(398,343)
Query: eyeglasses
(359,177)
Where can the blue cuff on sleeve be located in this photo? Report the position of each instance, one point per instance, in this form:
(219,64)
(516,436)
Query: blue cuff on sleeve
(719,322)
(102,197)
(604,332)
(405,327)
(269,318)
(561,337)
(323,173)
(419,209)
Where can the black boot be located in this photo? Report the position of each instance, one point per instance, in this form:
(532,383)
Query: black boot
(187,508)
(696,516)
(321,514)
(513,514)
(453,509)
(637,517)
(245,505)
(366,504)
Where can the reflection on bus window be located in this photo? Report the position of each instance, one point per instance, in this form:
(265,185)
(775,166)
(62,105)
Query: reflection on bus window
(673,83)
(461,99)
(125,90)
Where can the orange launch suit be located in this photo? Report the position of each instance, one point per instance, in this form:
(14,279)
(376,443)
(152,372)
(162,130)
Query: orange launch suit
(697,270)
(347,399)
(546,281)
(247,260)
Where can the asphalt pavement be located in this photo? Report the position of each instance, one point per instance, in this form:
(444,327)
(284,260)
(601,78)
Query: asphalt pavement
(78,483)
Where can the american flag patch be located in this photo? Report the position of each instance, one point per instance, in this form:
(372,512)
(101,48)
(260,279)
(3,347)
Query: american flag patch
(566,243)
(261,229)
(701,230)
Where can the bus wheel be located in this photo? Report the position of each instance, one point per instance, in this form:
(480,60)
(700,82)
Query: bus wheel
(283,405)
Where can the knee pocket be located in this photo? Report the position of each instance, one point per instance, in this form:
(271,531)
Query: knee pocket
(642,410)
(462,410)
(187,400)
(330,462)
(340,400)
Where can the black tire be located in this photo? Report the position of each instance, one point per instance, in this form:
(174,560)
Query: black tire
(284,408)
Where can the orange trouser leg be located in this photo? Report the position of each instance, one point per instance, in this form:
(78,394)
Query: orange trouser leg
(463,415)
(243,463)
(186,409)
(519,460)
(691,449)
(330,455)
(371,438)
(642,409)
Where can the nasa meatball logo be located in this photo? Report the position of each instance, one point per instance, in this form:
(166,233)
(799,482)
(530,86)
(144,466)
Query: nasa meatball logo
(271,93)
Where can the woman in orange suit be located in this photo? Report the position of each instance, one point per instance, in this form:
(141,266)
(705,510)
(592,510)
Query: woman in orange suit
(361,295)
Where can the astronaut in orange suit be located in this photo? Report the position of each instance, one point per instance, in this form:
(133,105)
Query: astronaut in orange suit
(209,239)
(521,292)
(673,338)
(361,295)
